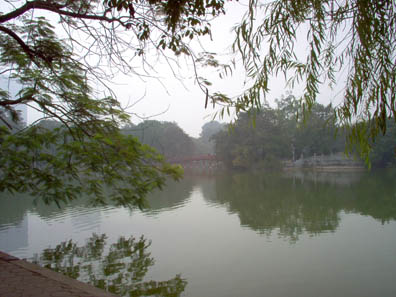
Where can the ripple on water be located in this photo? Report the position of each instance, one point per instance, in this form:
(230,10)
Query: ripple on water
(156,211)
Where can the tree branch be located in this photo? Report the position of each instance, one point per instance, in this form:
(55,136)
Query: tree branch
(54,8)
(24,8)
(23,45)
(13,102)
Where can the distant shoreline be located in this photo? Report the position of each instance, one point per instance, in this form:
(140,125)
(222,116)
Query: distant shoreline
(326,168)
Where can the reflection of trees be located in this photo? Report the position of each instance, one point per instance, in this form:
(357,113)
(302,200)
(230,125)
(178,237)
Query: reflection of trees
(119,269)
(172,195)
(375,195)
(207,186)
(14,207)
(264,203)
(294,205)
(342,178)
(367,193)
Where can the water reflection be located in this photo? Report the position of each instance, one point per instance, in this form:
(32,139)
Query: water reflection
(196,229)
(119,268)
(18,213)
(13,208)
(174,195)
(297,203)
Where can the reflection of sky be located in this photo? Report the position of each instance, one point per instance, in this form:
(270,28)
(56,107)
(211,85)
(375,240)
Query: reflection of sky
(35,233)
(86,220)
(77,224)
(14,236)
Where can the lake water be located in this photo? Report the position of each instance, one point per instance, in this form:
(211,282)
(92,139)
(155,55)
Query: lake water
(295,234)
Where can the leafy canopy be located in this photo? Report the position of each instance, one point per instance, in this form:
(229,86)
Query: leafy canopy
(53,50)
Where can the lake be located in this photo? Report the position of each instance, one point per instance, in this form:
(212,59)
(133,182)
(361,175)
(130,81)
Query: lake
(291,234)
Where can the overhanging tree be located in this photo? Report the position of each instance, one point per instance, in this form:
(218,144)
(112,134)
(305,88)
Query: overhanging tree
(54,49)
(357,38)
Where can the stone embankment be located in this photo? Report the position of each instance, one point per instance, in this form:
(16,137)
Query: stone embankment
(19,278)
(336,162)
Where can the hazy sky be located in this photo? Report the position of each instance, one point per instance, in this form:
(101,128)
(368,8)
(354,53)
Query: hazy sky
(167,98)
(182,101)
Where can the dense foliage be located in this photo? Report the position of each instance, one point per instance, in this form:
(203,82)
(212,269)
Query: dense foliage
(171,141)
(166,137)
(54,50)
(205,143)
(47,161)
(383,153)
(278,135)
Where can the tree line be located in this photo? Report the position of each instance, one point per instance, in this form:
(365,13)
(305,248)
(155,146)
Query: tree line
(166,138)
(263,140)
(171,141)
(284,134)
